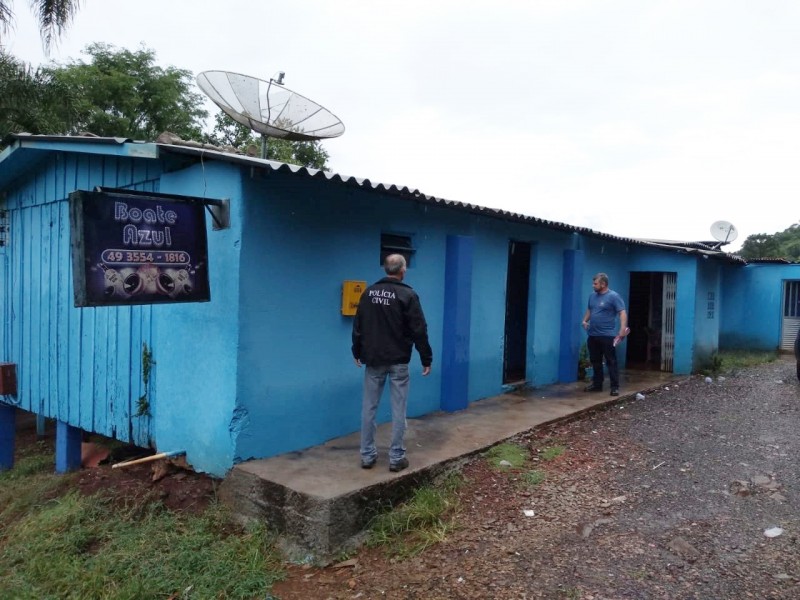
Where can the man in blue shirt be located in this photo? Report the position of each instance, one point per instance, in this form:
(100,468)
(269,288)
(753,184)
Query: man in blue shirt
(600,322)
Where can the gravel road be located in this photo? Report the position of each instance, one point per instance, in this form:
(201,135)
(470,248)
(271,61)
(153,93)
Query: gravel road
(690,492)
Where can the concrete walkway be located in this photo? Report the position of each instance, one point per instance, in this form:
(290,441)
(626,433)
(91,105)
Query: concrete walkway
(319,499)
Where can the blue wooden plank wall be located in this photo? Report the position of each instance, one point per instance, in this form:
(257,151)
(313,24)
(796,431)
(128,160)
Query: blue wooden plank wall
(82,366)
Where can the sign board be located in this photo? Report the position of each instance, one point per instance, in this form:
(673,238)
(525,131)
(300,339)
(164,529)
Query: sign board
(138,248)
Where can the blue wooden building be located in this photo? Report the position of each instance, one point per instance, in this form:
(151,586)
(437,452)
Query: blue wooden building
(264,366)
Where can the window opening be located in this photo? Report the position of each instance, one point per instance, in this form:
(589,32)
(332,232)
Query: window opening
(392,243)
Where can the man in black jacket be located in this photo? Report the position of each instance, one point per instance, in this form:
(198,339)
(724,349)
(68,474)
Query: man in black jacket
(389,321)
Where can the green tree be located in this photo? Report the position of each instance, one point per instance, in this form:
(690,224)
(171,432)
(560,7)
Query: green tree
(310,154)
(783,244)
(228,132)
(125,94)
(53,16)
(31,101)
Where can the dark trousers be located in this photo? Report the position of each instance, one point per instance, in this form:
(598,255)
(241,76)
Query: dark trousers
(600,347)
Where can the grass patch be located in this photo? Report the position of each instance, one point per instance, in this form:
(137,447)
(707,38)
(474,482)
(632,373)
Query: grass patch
(26,466)
(424,520)
(533,478)
(518,459)
(57,543)
(725,362)
(552,452)
(29,484)
(514,454)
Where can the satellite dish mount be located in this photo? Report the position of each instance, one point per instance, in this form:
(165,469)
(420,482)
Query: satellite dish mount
(269,108)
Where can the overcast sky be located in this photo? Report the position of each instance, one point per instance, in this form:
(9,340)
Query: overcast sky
(635,118)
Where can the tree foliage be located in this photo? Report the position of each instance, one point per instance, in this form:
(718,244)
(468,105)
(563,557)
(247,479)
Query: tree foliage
(53,17)
(125,94)
(31,100)
(228,132)
(783,244)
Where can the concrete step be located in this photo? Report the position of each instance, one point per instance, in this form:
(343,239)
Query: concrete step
(320,500)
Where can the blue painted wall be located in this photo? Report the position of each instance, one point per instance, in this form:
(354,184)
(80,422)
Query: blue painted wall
(707,313)
(265,367)
(571,302)
(301,239)
(691,335)
(544,314)
(488,303)
(613,259)
(81,366)
(752,307)
(297,381)
(196,345)
(456,323)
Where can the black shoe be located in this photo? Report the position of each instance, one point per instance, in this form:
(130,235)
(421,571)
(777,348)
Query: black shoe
(615,391)
(593,388)
(399,465)
(368,464)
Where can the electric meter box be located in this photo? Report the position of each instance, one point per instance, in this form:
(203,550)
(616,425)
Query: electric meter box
(351,294)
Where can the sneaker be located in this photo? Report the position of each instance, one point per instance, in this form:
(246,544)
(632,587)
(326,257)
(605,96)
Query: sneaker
(593,388)
(399,465)
(615,391)
(368,464)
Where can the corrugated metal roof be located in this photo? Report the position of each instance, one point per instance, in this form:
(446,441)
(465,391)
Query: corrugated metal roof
(702,248)
(701,245)
(20,142)
(782,261)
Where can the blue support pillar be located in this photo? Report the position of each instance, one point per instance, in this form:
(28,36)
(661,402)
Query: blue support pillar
(40,426)
(8,430)
(68,447)
(572,309)
(456,326)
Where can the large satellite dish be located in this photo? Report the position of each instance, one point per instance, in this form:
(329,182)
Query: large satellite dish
(269,108)
(724,232)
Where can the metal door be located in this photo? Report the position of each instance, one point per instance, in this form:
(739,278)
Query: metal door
(668,321)
(791,315)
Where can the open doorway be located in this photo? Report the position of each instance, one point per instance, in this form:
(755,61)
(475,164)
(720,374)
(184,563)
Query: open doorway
(651,317)
(516,328)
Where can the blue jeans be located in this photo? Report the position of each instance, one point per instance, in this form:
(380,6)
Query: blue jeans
(374,381)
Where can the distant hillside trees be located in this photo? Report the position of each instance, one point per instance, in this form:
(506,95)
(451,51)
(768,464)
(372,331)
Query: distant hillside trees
(783,244)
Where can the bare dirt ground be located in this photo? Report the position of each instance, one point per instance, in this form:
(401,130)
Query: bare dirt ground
(668,497)
(177,488)
(665,497)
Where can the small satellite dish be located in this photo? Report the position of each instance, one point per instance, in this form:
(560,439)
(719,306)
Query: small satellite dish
(268,108)
(723,232)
